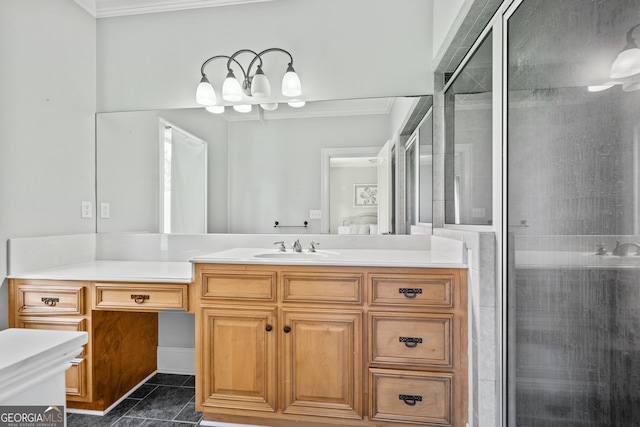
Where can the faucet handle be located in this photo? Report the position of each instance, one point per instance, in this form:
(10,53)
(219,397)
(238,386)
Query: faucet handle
(282,247)
(601,249)
(312,246)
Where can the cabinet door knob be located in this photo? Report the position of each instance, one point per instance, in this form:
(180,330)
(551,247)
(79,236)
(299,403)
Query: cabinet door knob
(287,329)
(269,328)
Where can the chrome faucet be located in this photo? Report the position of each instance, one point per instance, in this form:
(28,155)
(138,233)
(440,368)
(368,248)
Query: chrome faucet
(282,248)
(623,249)
(297,247)
(312,246)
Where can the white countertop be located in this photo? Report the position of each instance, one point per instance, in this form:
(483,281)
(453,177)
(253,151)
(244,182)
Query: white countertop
(116,271)
(182,271)
(337,257)
(31,355)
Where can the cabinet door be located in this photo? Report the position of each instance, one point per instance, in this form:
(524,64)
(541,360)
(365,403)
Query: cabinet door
(322,352)
(238,359)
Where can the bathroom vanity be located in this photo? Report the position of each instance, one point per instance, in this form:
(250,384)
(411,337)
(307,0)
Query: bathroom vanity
(322,342)
(351,337)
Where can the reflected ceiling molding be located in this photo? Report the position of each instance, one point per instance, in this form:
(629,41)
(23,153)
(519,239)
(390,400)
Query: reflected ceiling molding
(111,8)
(346,107)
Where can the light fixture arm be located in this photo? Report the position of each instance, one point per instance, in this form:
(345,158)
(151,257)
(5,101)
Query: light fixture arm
(631,42)
(205,63)
(259,56)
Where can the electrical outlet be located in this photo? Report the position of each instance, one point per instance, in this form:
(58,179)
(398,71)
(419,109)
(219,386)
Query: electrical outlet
(104,210)
(478,212)
(87,210)
(315,214)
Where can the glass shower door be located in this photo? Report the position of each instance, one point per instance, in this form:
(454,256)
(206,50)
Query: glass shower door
(573,190)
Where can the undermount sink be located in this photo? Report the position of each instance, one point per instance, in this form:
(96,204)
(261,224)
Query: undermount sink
(296,255)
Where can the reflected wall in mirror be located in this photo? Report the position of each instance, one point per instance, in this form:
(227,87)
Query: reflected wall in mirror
(468,144)
(262,167)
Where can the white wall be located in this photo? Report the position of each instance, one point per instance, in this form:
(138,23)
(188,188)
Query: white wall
(260,174)
(48,87)
(128,167)
(341,49)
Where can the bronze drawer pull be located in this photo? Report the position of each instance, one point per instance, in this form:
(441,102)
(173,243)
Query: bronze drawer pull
(269,328)
(411,342)
(286,329)
(50,301)
(410,399)
(139,299)
(410,292)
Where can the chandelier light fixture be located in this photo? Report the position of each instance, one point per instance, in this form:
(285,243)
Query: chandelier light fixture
(627,62)
(249,86)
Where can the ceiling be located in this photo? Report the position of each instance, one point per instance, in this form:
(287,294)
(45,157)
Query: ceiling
(109,8)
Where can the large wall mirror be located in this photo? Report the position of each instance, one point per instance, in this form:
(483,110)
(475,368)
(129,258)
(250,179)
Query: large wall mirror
(326,167)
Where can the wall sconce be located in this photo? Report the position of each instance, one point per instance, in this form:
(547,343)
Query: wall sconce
(627,62)
(254,85)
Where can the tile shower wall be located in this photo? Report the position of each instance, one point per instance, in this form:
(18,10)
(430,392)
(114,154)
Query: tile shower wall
(573,327)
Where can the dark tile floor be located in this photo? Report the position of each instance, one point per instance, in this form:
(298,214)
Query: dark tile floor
(165,400)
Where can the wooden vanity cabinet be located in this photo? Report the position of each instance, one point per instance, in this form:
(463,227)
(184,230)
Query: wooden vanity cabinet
(63,305)
(326,346)
(121,320)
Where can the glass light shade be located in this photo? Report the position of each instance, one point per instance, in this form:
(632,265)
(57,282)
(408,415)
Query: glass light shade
(242,108)
(270,107)
(215,109)
(260,87)
(626,64)
(231,89)
(630,87)
(296,104)
(205,95)
(291,83)
(598,88)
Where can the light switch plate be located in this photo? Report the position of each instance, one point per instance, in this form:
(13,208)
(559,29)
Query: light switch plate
(315,214)
(87,210)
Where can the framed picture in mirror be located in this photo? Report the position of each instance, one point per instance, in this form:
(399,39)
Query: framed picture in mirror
(365,195)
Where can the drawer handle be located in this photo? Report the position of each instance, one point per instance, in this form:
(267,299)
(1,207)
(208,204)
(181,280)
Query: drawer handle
(50,301)
(269,328)
(410,292)
(410,399)
(411,342)
(139,299)
(286,329)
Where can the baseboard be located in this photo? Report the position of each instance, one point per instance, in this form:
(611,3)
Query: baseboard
(177,360)
(114,404)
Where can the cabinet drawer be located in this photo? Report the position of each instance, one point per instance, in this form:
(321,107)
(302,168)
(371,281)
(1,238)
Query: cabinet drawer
(45,299)
(75,378)
(241,285)
(413,397)
(75,324)
(140,296)
(411,290)
(416,339)
(322,287)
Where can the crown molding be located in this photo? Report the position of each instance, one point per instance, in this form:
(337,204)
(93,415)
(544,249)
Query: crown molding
(111,8)
(88,5)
